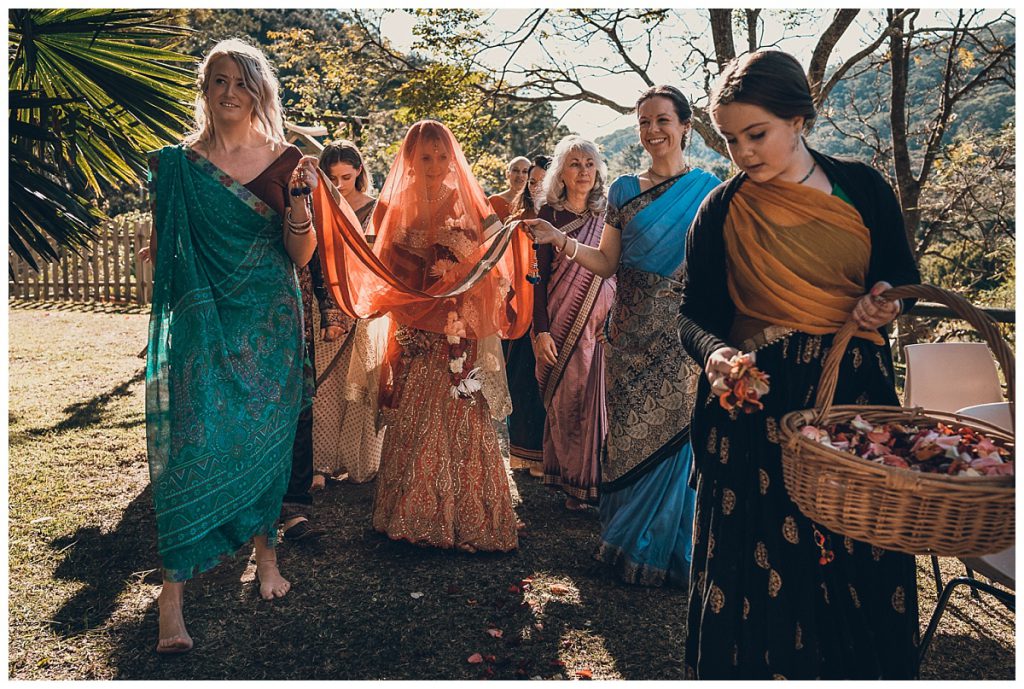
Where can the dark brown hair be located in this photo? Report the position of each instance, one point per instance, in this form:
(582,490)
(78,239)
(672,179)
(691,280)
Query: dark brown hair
(679,102)
(344,151)
(770,79)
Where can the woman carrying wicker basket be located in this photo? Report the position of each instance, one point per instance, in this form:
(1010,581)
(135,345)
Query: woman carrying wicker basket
(776,260)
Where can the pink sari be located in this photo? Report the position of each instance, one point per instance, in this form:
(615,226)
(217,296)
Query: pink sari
(573,389)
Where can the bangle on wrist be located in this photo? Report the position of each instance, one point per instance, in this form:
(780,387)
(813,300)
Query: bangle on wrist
(297,228)
(575,249)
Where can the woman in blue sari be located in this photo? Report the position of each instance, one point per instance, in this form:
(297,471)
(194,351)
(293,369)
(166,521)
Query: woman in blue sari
(224,377)
(646,506)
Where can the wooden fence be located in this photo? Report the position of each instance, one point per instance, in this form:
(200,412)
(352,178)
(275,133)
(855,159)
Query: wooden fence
(108,269)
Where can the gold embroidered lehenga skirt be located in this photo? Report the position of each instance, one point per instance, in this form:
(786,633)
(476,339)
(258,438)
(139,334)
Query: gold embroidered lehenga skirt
(442,481)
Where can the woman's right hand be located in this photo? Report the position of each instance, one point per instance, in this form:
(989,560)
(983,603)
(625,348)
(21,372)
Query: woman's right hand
(544,232)
(544,349)
(145,255)
(718,367)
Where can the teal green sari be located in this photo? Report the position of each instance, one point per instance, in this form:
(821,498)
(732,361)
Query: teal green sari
(224,371)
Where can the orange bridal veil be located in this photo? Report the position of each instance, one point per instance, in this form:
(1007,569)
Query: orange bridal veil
(439,247)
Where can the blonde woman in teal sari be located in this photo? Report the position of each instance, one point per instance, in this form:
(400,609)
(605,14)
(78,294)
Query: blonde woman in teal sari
(224,373)
(645,504)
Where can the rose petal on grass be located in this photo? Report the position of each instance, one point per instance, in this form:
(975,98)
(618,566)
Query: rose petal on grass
(475,658)
(496,633)
(559,589)
(416,594)
(585,673)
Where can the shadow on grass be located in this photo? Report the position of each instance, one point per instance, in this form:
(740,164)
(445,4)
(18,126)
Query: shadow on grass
(962,657)
(114,307)
(352,614)
(104,563)
(82,415)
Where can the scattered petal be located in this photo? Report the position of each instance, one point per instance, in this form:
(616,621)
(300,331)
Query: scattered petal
(513,589)
(585,673)
(496,633)
(559,589)
(416,594)
(475,659)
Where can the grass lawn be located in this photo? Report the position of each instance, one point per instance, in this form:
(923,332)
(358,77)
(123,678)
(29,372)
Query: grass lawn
(83,577)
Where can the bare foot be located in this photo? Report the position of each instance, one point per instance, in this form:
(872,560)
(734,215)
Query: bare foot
(536,472)
(319,482)
(574,505)
(272,584)
(174,636)
(466,548)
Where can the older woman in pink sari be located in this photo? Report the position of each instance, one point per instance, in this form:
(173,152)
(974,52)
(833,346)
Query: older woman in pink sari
(570,306)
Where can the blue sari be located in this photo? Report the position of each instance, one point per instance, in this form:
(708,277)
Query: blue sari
(646,506)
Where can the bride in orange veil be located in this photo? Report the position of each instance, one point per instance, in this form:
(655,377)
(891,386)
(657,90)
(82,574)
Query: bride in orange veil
(452,279)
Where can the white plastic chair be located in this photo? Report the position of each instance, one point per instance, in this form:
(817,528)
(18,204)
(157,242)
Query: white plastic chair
(996,413)
(999,567)
(946,376)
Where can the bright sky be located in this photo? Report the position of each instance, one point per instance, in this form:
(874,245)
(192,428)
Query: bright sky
(594,120)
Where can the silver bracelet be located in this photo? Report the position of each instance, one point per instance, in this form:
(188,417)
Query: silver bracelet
(575,249)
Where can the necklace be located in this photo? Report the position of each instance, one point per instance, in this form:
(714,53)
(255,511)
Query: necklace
(566,206)
(661,178)
(444,192)
(814,166)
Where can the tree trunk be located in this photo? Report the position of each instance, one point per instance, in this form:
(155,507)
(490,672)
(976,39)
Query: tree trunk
(721,34)
(907,188)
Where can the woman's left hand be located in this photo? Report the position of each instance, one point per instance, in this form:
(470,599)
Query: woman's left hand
(330,333)
(872,311)
(304,175)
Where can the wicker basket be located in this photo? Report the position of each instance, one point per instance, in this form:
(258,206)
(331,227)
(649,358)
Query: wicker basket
(889,507)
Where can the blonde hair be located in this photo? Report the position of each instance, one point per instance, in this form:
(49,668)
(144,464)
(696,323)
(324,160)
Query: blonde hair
(554,188)
(260,82)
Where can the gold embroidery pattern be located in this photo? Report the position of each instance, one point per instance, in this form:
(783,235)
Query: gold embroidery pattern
(858,359)
(812,349)
(711,546)
(899,600)
(881,363)
(789,530)
(863,399)
(763,481)
(824,592)
(772,426)
(701,580)
(853,596)
(761,555)
(848,544)
(713,441)
(774,583)
(735,655)
(746,608)
(724,451)
(716,600)
(876,553)
(728,501)
(799,637)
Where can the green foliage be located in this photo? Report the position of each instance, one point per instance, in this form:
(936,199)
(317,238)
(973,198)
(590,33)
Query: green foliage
(89,95)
